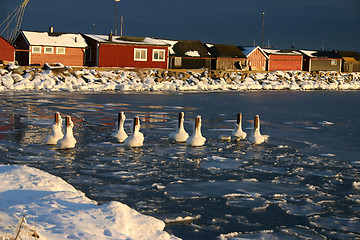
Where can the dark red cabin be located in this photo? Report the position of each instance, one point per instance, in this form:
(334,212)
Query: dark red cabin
(132,52)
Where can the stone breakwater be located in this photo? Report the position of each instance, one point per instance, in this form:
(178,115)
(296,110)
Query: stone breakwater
(86,79)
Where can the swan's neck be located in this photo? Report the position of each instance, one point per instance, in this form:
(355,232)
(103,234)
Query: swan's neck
(69,131)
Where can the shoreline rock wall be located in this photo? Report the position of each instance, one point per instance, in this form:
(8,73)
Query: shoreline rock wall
(14,78)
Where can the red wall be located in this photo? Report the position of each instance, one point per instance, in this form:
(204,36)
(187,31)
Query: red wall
(7,51)
(123,56)
(72,57)
(285,62)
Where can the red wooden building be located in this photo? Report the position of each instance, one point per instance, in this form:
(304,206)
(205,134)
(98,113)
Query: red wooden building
(282,60)
(37,48)
(133,52)
(256,58)
(7,50)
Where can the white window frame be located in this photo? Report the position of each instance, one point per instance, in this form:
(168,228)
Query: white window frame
(52,50)
(60,52)
(159,51)
(35,47)
(141,50)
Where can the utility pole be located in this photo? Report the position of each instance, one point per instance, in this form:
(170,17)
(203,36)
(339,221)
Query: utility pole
(263,28)
(121,29)
(115,16)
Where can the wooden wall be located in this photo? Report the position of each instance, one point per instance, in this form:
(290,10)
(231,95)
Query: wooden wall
(116,55)
(282,62)
(257,61)
(230,63)
(324,64)
(72,57)
(7,51)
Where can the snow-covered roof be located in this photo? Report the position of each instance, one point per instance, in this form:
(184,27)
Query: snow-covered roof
(126,40)
(320,54)
(247,50)
(171,43)
(281,52)
(192,53)
(55,39)
(308,53)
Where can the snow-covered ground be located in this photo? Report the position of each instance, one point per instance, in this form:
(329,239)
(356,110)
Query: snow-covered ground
(15,78)
(55,210)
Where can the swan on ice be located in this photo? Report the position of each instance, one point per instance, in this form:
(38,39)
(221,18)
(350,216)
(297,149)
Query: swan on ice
(196,140)
(180,135)
(120,133)
(255,136)
(238,133)
(136,138)
(68,141)
(56,133)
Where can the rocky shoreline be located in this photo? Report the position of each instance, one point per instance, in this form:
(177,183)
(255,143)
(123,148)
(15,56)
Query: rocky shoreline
(60,78)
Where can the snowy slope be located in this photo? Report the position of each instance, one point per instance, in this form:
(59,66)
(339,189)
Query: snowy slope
(55,210)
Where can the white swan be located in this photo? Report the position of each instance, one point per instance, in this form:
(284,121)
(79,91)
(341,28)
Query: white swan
(180,135)
(238,133)
(196,140)
(136,138)
(68,141)
(120,133)
(255,136)
(56,133)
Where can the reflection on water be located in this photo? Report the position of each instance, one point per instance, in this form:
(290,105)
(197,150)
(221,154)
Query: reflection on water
(301,184)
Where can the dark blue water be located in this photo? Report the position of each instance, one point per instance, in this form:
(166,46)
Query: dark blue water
(301,184)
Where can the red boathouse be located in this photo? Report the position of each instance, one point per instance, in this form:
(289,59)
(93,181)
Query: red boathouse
(283,60)
(37,48)
(7,51)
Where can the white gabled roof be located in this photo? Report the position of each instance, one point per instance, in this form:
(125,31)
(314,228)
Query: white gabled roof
(250,49)
(171,43)
(309,53)
(55,40)
(120,40)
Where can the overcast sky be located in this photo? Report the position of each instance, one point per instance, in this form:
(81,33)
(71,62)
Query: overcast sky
(309,24)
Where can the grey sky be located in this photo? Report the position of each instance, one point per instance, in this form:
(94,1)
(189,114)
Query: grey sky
(307,23)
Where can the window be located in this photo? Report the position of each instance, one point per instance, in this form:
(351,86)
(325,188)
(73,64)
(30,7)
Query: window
(48,50)
(333,62)
(60,50)
(177,62)
(140,54)
(159,55)
(36,49)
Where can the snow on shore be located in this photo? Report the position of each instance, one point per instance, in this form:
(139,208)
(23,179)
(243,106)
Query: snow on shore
(66,79)
(55,210)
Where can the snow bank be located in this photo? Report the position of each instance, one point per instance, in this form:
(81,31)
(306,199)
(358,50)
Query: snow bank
(66,79)
(55,210)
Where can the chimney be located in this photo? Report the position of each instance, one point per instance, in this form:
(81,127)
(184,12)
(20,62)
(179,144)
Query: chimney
(51,29)
(110,36)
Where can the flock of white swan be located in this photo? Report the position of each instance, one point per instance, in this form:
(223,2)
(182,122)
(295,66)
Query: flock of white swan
(136,138)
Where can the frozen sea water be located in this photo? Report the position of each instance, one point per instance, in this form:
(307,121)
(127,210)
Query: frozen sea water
(301,184)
